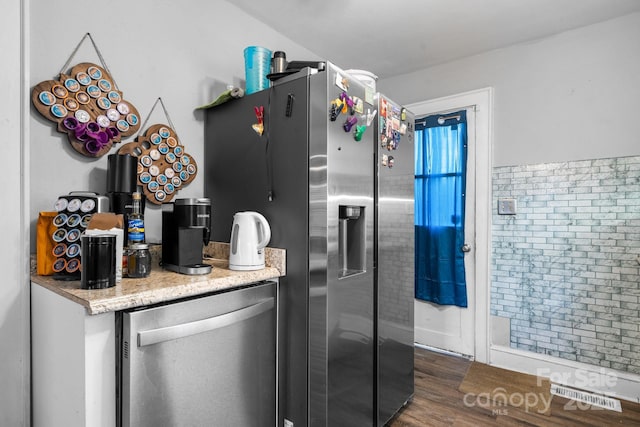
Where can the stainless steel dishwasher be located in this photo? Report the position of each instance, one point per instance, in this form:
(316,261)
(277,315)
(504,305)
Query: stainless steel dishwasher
(208,361)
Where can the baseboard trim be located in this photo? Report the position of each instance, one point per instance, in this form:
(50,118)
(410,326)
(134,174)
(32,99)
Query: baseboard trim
(441,351)
(582,376)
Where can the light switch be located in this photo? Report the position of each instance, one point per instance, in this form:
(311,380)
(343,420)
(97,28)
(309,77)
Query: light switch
(507,206)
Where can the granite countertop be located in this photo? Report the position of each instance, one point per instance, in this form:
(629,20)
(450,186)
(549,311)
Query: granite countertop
(162,285)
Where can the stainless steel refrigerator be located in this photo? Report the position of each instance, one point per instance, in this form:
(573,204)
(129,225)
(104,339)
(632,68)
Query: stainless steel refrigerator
(394,248)
(293,154)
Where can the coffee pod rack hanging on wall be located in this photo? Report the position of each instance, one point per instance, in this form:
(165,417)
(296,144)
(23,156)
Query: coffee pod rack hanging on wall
(87,105)
(163,165)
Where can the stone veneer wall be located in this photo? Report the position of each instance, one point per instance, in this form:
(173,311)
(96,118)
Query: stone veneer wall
(566,267)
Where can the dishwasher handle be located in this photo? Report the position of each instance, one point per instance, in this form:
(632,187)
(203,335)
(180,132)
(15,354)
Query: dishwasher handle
(155,336)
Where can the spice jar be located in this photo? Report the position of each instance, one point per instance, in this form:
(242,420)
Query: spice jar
(138,260)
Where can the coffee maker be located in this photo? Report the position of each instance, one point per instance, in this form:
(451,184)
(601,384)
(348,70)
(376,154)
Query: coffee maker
(186,226)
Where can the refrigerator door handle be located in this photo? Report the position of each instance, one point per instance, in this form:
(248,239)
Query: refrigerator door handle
(155,336)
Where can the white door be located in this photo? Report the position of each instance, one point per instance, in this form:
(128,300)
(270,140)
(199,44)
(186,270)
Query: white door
(452,328)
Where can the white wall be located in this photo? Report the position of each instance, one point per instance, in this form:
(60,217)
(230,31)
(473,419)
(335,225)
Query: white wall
(572,96)
(184,52)
(14,292)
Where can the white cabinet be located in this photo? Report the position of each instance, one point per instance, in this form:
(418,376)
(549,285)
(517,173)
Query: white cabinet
(73,363)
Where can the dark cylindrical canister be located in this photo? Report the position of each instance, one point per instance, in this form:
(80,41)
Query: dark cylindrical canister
(98,261)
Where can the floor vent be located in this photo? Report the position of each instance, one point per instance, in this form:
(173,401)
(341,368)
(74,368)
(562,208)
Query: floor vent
(586,397)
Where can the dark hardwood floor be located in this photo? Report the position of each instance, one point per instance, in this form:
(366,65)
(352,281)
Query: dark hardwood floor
(437,402)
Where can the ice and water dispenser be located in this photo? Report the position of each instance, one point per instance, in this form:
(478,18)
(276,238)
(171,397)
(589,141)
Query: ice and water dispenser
(351,240)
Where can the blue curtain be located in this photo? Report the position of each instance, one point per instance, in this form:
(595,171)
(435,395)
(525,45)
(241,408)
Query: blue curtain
(440,180)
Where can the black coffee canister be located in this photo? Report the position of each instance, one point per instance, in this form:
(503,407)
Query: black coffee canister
(98,261)
(122,173)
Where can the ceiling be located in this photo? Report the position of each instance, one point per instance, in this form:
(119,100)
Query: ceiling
(392,38)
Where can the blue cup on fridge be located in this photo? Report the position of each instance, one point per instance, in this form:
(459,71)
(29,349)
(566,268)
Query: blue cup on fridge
(257,64)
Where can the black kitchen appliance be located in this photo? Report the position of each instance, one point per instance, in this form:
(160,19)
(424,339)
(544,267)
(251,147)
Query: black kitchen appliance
(186,225)
(122,180)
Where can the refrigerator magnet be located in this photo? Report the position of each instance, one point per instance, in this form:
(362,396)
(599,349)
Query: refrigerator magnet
(335,109)
(358,105)
(342,82)
(371,116)
(349,123)
(359,132)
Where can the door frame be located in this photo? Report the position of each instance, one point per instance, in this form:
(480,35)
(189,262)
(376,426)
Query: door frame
(482,102)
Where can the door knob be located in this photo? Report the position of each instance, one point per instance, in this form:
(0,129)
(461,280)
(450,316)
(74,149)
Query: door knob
(466,247)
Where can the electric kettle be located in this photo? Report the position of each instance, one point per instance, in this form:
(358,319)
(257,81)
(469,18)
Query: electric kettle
(250,234)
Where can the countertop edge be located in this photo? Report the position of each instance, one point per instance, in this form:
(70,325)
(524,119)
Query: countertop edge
(164,286)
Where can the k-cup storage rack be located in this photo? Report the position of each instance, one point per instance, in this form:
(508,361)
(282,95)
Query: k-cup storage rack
(88,107)
(74,211)
(163,165)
